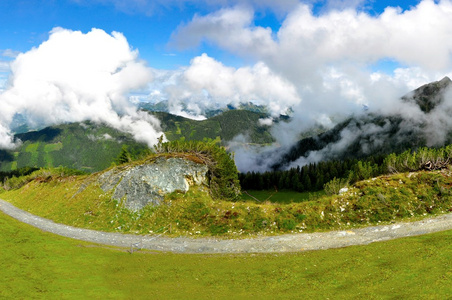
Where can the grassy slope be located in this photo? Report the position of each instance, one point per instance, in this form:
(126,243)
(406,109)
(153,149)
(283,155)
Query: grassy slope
(88,147)
(35,264)
(78,201)
(92,147)
(225,126)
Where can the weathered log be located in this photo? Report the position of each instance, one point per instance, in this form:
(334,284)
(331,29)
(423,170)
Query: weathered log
(437,165)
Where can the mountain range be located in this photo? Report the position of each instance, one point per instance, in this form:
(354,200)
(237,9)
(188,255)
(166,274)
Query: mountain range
(208,112)
(422,120)
(93,147)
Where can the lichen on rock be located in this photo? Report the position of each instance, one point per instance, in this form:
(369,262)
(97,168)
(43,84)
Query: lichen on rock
(148,183)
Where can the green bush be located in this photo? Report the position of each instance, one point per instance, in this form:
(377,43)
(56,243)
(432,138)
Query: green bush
(421,159)
(335,185)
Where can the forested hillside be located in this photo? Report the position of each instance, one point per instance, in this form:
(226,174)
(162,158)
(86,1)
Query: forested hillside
(224,126)
(371,134)
(163,106)
(369,137)
(93,147)
(85,146)
(315,176)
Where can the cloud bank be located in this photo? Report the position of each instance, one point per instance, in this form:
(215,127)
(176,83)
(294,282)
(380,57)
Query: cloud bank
(332,59)
(305,39)
(207,83)
(336,49)
(74,77)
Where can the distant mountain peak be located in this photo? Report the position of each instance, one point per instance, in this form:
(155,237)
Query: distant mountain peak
(428,96)
(446,80)
(208,112)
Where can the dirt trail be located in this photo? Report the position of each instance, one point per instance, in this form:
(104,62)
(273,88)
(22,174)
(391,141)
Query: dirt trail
(281,243)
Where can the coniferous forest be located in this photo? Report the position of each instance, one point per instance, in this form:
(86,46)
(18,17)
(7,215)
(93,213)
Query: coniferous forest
(314,176)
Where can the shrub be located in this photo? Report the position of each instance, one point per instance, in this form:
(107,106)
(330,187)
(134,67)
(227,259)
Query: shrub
(335,185)
(421,159)
(124,156)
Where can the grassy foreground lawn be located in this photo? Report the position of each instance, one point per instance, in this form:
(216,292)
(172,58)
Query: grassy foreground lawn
(35,264)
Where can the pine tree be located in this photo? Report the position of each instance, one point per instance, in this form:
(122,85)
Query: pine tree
(124,156)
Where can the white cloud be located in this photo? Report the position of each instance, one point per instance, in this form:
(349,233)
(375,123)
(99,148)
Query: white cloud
(327,57)
(420,36)
(207,83)
(75,77)
(229,28)
(344,4)
(4,66)
(266,122)
(9,53)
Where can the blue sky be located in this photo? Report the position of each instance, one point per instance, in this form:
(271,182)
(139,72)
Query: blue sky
(148,28)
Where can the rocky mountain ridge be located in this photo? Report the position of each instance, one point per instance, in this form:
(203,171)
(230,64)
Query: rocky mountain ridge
(430,95)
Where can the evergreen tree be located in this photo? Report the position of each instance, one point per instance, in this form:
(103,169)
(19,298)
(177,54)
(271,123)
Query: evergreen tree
(124,156)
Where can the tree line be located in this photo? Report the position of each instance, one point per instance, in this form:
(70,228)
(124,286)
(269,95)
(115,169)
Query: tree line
(16,173)
(314,176)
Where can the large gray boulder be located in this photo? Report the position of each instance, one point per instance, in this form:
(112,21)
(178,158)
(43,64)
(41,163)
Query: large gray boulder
(145,184)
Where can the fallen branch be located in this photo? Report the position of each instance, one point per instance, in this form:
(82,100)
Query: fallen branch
(248,194)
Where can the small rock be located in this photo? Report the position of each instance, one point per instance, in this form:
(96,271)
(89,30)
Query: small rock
(343,190)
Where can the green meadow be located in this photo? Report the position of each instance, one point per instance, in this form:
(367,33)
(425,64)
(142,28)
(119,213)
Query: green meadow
(280,197)
(40,265)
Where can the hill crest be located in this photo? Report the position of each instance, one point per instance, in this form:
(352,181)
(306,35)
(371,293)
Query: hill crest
(430,95)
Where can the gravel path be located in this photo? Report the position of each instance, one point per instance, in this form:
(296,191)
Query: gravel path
(281,243)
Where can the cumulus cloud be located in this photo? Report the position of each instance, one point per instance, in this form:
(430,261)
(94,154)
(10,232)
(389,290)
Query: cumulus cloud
(344,4)
(419,36)
(4,70)
(328,58)
(307,44)
(206,83)
(4,66)
(74,77)
(232,24)
(9,53)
